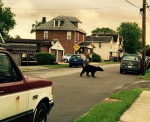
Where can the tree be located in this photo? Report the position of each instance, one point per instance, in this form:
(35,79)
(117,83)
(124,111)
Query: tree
(147,50)
(131,33)
(104,30)
(7,21)
(17,37)
(36,24)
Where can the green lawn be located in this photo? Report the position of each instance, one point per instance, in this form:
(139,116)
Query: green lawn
(111,111)
(57,66)
(146,76)
(111,62)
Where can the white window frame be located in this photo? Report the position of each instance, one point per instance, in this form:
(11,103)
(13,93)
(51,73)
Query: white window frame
(58,23)
(45,34)
(69,35)
(89,51)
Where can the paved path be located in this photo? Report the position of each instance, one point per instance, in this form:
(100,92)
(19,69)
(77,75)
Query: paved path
(139,111)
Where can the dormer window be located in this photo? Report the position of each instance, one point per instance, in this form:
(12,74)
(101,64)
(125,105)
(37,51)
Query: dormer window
(56,23)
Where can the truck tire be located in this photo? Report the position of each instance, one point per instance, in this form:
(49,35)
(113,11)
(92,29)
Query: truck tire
(40,114)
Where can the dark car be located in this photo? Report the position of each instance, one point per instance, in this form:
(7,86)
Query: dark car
(130,63)
(76,60)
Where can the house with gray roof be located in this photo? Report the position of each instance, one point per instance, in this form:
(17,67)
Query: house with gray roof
(108,46)
(64,29)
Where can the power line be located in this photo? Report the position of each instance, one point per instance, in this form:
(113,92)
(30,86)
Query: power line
(59,9)
(132,4)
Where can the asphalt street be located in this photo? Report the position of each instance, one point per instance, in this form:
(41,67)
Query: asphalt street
(75,95)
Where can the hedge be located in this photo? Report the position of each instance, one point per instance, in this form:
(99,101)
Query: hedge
(45,58)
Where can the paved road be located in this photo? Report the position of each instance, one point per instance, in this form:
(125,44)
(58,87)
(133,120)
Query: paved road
(74,95)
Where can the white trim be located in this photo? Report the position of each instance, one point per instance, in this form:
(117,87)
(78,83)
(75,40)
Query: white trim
(45,34)
(69,35)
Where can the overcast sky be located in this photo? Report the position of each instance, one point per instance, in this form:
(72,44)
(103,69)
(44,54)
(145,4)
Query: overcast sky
(92,13)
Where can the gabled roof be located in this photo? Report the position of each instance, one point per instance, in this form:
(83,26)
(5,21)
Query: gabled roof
(87,44)
(115,36)
(72,19)
(99,39)
(66,24)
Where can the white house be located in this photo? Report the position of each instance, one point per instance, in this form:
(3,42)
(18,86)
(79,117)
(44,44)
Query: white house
(107,46)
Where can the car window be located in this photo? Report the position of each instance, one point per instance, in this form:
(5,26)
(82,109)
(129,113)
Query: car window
(131,58)
(7,72)
(76,56)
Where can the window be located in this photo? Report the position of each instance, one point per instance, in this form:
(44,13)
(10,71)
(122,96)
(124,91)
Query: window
(7,71)
(56,23)
(68,35)
(83,38)
(78,36)
(89,51)
(45,34)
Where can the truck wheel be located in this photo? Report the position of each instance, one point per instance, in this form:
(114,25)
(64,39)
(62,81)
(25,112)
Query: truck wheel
(40,114)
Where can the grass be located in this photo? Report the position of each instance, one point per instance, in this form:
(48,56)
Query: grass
(111,62)
(146,76)
(111,111)
(105,62)
(57,66)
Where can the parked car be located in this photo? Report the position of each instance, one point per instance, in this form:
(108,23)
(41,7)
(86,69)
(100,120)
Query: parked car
(67,57)
(20,96)
(77,60)
(130,63)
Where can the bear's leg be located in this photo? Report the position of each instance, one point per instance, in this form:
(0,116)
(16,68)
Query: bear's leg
(83,71)
(87,73)
(93,74)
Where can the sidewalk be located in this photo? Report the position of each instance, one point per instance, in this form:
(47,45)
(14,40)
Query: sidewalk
(139,111)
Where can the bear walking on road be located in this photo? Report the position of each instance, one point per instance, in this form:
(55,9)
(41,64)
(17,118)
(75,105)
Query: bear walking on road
(90,68)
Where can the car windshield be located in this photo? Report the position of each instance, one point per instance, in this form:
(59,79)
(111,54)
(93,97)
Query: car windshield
(76,56)
(130,58)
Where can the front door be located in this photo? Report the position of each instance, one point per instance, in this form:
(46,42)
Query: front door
(13,89)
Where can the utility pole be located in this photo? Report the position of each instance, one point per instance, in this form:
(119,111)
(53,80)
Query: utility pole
(143,36)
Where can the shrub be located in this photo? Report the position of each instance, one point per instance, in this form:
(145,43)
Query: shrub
(45,58)
(96,57)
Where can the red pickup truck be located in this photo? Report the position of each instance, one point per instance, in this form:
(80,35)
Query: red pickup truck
(20,96)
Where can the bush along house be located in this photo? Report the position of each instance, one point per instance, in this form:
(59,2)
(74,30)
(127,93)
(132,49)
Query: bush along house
(63,29)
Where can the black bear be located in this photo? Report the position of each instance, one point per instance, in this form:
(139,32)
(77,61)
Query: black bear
(90,68)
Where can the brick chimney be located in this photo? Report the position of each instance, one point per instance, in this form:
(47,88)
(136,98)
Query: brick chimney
(43,19)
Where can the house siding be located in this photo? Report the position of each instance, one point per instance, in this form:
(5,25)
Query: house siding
(105,49)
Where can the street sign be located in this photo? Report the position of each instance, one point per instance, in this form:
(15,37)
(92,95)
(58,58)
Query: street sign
(76,47)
